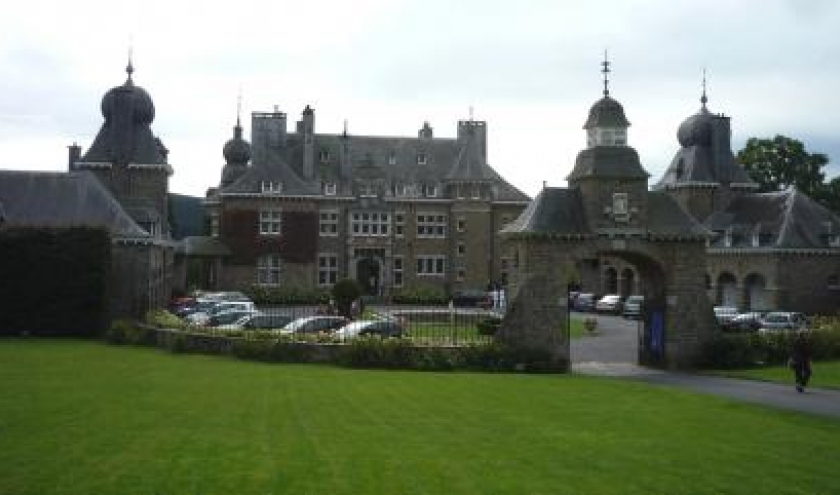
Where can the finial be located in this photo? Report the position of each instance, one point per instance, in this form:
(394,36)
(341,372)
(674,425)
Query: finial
(703,98)
(606,71)
(239,107)
(345,128)
(471,113)
(129,69)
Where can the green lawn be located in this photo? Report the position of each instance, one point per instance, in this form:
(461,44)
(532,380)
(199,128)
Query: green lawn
(826,374)
(87,418)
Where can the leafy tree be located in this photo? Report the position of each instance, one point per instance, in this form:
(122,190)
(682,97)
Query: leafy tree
(775,164)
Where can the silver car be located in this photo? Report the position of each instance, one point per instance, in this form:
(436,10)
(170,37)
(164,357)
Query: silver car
(780,321)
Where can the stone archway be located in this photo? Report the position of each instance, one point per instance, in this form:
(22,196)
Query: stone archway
(610,281)
(755,292)
(368,274)
(727,290)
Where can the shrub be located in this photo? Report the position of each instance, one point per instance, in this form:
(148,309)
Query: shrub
(129,332)
(421,295)
(745,350)
(162,318)
(488,326)
(344,292)
(287,295)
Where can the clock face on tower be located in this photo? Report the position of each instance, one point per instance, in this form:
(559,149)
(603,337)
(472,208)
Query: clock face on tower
(620,207)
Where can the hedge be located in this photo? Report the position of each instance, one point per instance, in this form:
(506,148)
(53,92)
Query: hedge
(54,281)
(745,350)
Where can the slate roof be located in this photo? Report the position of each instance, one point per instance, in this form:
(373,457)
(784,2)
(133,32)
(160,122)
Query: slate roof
(560,212)
(606,112)
(446,160)
(782,220)
(60,199)
(619,162)
(187,216)
(203,246)
(705,156)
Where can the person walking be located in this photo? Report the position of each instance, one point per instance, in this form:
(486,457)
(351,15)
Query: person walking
(800,359)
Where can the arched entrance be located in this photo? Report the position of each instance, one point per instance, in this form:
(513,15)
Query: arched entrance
(610,281)
(755,292)
(727,290)
(628,282)
(368,274)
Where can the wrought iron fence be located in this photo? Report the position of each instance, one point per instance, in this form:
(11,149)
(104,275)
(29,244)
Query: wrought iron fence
(423,325)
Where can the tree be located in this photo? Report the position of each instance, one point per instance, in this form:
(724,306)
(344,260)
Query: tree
(778,163)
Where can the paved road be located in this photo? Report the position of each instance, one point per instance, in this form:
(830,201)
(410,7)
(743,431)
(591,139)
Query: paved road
(612,352)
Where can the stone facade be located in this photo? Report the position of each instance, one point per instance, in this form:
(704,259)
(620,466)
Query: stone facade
(395,213)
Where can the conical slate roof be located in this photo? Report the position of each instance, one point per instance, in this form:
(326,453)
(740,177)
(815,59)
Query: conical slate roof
(606,112)
(470,164)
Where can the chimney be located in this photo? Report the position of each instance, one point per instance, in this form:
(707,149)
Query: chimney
(74,155)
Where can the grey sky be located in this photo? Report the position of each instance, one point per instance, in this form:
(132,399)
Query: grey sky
(530,68)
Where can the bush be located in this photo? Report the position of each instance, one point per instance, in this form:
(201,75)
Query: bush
(129,332)
(344,292)
(421,295)
(287,295)
(746,350)
(162,318)
(488,326)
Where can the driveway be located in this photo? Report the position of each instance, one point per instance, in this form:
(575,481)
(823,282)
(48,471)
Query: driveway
(615,341)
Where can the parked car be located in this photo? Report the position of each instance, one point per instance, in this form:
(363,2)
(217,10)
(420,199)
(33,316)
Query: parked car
(314,324)
(777,321)
(260,321)
(584,302)
(472,299)
(382,328)
(744,322)
(633,307)
(203,317)
(228,317)
(611,303)
(724,314)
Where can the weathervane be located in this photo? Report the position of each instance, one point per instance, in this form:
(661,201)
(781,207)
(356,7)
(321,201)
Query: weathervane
(606,71)
(703,98)
(239,106)
(130,67)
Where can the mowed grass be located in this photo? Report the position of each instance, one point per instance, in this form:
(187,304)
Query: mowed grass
(825,374)
(87,418)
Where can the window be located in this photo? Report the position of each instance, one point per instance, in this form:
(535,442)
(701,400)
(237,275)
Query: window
(431,191)
(620,209)
(271,222)
(271,187)
(398,271)
(462,249)
(431,265)
(461,225)
(421,158)
(327,269)
(370,224)
(324,156)
(462,274)
(328,223)
(392,158)
(269,270)
(367,190)
(476,191)
(833,282)
(329,188)
(399,224)
(431,225)
(214,224)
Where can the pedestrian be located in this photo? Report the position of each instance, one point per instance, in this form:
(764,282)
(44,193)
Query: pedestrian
(800,359)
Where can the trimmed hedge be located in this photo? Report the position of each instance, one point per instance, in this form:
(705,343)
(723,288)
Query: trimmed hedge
(746,350)
(54,281)
(287,295)
(421,295)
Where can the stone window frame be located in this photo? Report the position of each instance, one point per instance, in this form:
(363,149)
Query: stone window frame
(324,156)
(269,270)
(431,225)
(330,188)
(422,158)
(392,158)
(461,224)
(431,265)
(370,223)
(327,269)
(271,221)
(328,220)
(271,187)
(367,190)
(399,223)
(398,271)
(461,274)
(461,249)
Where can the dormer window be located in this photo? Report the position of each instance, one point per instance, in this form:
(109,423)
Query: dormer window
(329,188)
(271,187)
(431,191)
(727,238)
(367,191)
(392,158)
(421,158)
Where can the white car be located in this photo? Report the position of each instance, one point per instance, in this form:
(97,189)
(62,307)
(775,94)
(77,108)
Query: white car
(383,328)
(203,317)
(611,303)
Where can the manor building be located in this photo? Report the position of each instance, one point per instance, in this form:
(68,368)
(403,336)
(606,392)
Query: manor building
(305,209)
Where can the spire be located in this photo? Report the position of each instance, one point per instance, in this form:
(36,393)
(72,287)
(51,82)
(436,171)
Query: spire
(471,113)
(344,133)
(703,98)
(239,107)
(129,69)
(606,71)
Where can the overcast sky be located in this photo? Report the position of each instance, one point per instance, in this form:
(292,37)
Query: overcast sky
(529,68)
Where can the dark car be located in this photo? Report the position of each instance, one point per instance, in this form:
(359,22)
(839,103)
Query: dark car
(584,302)
(261,321)
(744,322)
(472,299)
